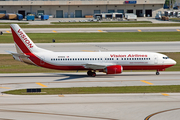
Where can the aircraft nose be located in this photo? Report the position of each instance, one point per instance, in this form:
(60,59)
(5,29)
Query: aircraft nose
(173,61)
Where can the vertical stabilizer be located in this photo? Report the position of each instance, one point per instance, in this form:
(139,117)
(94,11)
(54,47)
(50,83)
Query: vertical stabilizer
(22,42)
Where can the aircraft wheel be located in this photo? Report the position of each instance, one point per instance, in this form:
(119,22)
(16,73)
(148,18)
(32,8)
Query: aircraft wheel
(93,74)
(89,73)
(157,73)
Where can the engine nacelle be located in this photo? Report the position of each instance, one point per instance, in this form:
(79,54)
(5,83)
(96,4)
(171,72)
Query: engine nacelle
(114,69)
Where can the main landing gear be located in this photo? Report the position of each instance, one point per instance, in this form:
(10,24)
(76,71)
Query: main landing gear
(157,73)
(90,73)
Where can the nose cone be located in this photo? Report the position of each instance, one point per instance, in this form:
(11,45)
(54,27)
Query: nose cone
(173,62)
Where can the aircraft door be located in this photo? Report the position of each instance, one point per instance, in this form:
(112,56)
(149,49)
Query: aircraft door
(42,60)
(155,59)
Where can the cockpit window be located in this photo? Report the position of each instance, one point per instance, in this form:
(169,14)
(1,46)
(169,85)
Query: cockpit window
(165,57)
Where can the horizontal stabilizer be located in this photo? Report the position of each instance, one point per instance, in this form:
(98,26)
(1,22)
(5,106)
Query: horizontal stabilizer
(17,54)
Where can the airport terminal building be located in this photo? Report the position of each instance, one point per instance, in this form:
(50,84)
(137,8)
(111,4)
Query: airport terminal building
(81,8)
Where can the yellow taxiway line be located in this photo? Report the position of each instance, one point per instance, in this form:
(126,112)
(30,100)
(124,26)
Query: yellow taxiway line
(54,31)
(178,30)
(165,94)
(147,82)
(41,84)
(5,87)
(8,31)
(100,30)
(87,51)
(139,30)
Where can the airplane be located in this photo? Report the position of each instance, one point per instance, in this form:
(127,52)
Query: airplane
(107,62)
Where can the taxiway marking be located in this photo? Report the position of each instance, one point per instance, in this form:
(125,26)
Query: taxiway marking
(100,30)
(61,95)
(8,31)
(54,31)
(148,117)
(178,30)
(165,94)
(139,31)
(5,87)
(147,82)
(41,84)
(87,51)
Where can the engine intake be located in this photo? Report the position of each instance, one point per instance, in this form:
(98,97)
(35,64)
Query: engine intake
(114,69)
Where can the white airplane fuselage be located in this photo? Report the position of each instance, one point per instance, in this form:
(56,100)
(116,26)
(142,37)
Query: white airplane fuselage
(109,62)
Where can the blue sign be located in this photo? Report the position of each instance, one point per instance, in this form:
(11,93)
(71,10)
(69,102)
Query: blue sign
(130,2)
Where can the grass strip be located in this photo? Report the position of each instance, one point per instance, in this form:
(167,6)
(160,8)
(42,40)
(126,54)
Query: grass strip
(175,19)
(101,90)
(9,65)
(97,37)
(98,25)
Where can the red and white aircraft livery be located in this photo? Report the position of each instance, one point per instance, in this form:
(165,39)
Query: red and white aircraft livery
(108,62)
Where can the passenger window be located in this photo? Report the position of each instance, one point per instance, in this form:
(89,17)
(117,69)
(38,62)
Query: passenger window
(132,58)
(112,58)
(95,58)
(124,58)
(129,58)
(116,58)
(121,58)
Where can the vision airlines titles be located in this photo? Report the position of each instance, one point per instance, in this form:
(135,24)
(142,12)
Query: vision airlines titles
(130,55)
(25,38)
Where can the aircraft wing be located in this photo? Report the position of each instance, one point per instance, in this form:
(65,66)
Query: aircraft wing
(17,54)
(96,66)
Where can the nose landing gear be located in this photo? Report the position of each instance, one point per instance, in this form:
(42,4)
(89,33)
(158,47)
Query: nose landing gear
(90,73)
(157,73)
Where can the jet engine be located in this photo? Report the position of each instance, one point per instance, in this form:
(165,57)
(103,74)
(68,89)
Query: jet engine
(114,69)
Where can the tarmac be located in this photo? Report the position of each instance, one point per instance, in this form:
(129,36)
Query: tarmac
(139,106)
(101,46)
(46,22)
(96,30)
